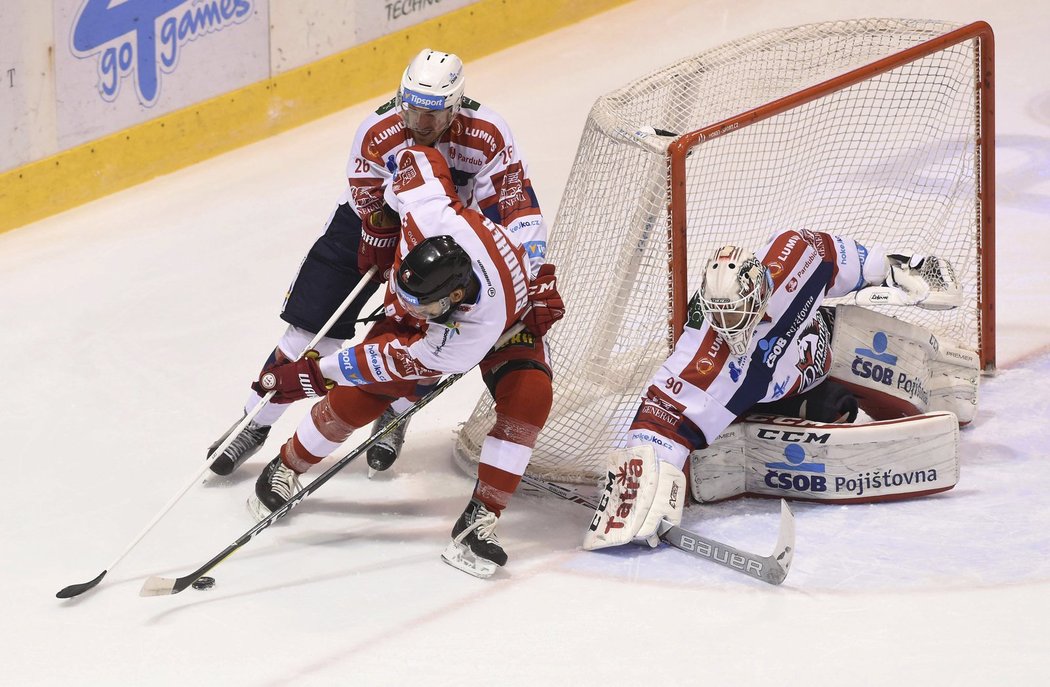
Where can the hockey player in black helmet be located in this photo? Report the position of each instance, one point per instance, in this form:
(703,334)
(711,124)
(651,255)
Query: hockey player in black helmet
(434,276)
(460,283)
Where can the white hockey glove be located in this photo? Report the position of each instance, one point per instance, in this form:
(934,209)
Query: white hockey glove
(640,492)
(923,280)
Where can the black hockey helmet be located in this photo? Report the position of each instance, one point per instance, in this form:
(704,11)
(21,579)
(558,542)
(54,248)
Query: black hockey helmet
(429,274)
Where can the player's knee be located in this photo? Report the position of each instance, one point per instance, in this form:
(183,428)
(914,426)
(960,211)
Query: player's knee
(524,394)
(827,402)
(830,402)
(346,408)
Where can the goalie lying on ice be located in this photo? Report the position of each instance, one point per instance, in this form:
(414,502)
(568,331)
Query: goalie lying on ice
(758,340)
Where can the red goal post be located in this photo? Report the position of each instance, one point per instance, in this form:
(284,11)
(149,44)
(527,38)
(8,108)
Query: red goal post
(878,129)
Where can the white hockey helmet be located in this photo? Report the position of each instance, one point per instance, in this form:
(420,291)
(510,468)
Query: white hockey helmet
(734,294)
(430,95)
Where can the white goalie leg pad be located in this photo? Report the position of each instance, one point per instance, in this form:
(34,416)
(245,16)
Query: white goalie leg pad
(896,368)
(723,466)
(834,463)
(640,492)
(955,375)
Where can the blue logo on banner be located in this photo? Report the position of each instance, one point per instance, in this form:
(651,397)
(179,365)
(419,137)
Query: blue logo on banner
(879,342)
(348,365)
(795,459)
(536,249)
(144,37)
(423,100)
(786,475)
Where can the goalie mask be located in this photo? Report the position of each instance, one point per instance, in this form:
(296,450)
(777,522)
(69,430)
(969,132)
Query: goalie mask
(429,276)
(430,95)
(734,295)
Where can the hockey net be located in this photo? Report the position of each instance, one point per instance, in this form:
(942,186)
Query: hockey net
(878,129)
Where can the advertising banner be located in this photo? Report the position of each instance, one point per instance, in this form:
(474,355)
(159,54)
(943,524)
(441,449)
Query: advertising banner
(121,63)
(27,86)
(304,31)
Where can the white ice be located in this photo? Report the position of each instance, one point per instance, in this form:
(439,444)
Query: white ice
(131,326)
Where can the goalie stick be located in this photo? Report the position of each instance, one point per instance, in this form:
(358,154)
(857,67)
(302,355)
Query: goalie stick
(772,569)
(165,586)
(81,587)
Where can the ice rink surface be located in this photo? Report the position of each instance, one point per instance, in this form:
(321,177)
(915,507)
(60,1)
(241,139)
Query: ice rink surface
(132,325)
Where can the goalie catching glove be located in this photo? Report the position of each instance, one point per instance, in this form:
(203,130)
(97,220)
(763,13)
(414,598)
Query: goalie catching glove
(546,304)
(640,493)
(294,381)
(926,281)
(380,231)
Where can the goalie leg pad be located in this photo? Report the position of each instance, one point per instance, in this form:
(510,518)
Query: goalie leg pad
(897,369)
(640,493)
(858,463)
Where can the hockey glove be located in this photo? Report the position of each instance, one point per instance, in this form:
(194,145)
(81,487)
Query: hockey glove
(929,280)
(380,232)
(546,305)
(926,281)
(294,381)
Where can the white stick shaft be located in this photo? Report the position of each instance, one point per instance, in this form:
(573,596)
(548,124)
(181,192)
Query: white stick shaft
(243,423)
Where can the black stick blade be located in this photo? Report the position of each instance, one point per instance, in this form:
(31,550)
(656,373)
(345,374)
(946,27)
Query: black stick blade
(77,589)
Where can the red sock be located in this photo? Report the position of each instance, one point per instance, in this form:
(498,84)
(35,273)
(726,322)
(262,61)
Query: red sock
(494,487)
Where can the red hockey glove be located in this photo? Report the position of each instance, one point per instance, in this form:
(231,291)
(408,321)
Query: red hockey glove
(546,304)
(379,235)
(294,381)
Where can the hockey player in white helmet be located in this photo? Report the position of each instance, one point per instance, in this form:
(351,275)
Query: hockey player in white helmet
(489,174)
(757,340)
(734,294)
(431,94)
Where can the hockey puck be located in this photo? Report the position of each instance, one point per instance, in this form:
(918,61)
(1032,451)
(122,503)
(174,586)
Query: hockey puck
(203,583)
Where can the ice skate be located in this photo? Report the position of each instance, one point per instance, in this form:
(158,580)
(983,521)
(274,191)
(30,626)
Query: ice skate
(474,548)
(383,454)
(246,445)
(274,487)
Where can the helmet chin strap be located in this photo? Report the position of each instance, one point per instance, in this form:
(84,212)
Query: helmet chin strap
(738,341)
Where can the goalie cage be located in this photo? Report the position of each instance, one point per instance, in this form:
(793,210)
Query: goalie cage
(881,129)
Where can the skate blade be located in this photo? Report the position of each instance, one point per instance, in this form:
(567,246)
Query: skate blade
(462,558)
(257,509)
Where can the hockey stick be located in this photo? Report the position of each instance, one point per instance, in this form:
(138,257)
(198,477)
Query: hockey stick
(164,586)
(77,589)
(772,568)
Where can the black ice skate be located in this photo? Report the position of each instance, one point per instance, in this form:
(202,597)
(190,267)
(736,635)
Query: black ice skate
(385,451)
(474,548)
(274,487)
(246,445)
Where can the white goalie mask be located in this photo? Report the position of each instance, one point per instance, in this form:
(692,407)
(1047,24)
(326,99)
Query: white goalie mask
(734,295)
(430,95)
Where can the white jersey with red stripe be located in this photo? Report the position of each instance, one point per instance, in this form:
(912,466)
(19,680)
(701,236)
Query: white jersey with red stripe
(486,167)
(702,387)
(429,205)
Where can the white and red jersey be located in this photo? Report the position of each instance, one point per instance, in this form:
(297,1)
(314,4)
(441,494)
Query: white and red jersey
(485,165)
(415,349)
(701,388)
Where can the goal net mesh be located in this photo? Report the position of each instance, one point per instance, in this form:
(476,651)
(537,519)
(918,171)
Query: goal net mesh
(890,161)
